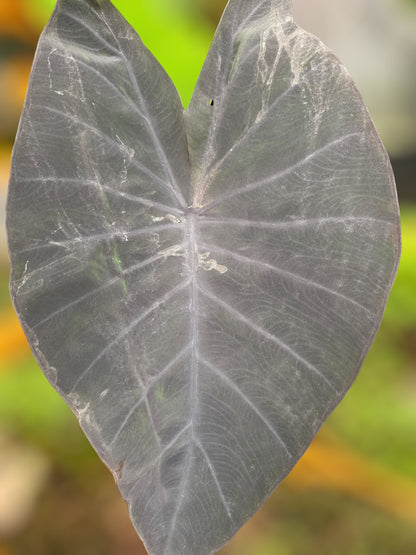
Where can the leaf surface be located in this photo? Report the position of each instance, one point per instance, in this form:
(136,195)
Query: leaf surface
(200,287)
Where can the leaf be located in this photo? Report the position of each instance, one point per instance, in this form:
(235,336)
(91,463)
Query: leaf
(201,289)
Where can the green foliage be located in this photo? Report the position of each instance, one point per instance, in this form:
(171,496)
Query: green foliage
(41,413)
(174,34)
(401,307)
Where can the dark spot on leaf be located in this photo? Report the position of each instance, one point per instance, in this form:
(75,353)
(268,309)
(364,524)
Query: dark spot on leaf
(175,460)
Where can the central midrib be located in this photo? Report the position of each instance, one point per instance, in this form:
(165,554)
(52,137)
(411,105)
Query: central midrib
(191,263)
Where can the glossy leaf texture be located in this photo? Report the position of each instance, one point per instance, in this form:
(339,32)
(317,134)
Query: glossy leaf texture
(200,287)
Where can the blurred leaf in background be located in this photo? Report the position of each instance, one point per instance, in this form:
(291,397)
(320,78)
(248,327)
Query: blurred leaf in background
(353,493)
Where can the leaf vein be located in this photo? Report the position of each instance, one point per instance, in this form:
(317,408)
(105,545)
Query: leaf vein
(248,401)
(275,177)
(81,239)
(154,306)
(260,331)
(93,32)
(286,273)
(134,162)
(215,477)
(111,190)
(157,459)
(208,220)
(146,391)
(108,283)
(172,184)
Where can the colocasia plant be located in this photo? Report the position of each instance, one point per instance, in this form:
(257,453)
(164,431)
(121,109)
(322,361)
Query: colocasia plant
(201,286)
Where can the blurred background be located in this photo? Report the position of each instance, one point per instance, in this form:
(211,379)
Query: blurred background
(354,491)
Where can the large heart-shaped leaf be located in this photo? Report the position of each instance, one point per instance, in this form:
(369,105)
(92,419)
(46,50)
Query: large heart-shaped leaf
(200,288)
